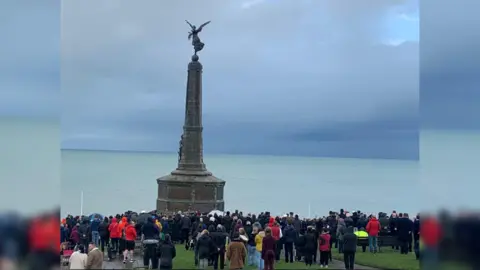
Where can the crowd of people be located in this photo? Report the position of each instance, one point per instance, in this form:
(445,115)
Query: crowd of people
(255,240)
(29,242)
(32,241)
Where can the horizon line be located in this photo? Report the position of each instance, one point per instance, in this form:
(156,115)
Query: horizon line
(232,154)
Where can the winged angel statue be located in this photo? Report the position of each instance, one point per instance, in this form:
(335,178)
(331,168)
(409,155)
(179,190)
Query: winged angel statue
(193,35)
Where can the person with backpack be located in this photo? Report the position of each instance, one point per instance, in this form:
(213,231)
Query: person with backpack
(150,234)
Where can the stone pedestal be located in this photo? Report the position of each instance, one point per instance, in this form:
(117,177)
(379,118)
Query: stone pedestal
(191,186)
(182,192)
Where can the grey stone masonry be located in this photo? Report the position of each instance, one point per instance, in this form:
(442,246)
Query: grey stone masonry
(191,186)
(191,155)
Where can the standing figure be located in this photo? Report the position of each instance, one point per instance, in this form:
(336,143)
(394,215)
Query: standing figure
(180,149)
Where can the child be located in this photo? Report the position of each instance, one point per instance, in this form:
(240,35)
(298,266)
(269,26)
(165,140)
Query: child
(324,248)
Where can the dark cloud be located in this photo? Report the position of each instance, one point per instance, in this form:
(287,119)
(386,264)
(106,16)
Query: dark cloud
(450,70)
(389,137)
(30,59)
(273,71)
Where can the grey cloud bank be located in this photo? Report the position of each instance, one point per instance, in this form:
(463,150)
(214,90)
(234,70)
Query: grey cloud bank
(30,59)
(275,73)
(289,78)
(450,69)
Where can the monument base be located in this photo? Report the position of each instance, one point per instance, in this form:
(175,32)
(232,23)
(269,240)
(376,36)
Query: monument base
(190,191)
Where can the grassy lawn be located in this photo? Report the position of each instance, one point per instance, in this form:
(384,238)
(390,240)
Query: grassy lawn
(391,259)
(387,259)
(184,260)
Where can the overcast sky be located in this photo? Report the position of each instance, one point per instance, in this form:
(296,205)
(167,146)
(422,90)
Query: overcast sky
(325,78)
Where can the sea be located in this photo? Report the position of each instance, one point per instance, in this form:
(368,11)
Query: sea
(36,175)
(120,181)
(30,161)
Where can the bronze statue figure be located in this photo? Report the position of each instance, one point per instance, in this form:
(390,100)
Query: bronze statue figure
(180,149)
(193,34)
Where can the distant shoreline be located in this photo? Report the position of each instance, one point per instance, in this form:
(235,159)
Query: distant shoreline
(239,154)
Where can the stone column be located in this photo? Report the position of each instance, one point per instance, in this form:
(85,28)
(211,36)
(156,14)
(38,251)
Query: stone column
(191,155)
(191,186)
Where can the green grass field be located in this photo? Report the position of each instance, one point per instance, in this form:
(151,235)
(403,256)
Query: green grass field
(184,260)
(391,259)
(386,259)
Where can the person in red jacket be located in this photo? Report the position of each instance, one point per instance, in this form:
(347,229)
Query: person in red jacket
(43,238)
(276,234)
(114,234)
(431,234)
(373,228)
(130,237)
(121,231)
(324,247)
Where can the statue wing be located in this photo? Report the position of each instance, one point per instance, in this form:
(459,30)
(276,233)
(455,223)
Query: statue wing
(189,24)
(201,26)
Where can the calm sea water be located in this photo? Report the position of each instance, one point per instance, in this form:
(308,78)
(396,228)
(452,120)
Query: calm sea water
(35,175)
(450,170)
(30,163)
(116,181)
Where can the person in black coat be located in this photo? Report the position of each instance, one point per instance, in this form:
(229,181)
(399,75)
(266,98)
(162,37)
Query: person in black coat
(166,253)
(362,221)
(319,225)
(310,246)
(404,231)
(104,234)
(297,224)
(332,228)
(185,225)
(393,226)
(384,224)
(83,231)
(410,232)
(227,222)
(175,228)
(204,248)
(150,233)
(355,217)
(219,239)
(349,248)
(289,238)
(416,237)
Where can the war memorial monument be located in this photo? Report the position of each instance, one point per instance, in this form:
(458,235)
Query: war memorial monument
(191,186)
